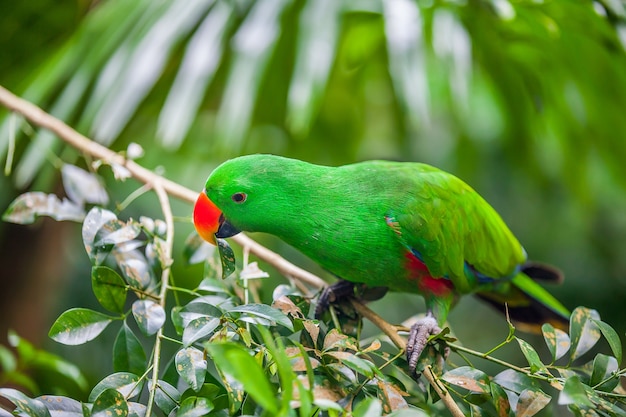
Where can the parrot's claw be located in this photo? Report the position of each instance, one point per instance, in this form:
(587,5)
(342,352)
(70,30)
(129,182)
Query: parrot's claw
(343,289)
(332,293)
(418,337)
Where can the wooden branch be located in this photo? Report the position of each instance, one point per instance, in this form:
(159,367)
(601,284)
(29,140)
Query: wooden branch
(392,333)
(42,119)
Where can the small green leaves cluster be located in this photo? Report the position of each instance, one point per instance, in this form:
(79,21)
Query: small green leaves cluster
(588,386)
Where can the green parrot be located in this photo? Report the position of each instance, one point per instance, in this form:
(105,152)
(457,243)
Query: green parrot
(406,226)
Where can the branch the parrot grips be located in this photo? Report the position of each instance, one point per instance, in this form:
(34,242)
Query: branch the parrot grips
(212,226)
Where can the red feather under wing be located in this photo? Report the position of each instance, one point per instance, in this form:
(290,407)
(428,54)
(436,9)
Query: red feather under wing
(428,285)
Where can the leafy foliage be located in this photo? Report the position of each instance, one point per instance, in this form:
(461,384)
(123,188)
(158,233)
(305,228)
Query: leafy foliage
(241,358)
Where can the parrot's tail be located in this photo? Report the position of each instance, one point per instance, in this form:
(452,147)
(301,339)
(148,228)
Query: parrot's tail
(529,306)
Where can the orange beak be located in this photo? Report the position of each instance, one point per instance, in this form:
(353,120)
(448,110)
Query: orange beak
(207,218)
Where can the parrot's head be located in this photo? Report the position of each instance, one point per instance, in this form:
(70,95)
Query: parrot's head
(250,193)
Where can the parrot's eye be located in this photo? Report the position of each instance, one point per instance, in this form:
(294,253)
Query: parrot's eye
(239,197)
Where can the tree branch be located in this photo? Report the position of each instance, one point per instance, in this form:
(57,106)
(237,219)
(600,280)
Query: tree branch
(42,119)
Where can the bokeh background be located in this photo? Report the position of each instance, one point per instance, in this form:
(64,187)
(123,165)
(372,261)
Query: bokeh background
(524,100)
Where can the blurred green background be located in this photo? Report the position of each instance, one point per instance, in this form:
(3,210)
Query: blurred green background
(524,100)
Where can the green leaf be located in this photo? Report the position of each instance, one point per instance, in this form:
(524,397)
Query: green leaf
(166,396)
(149,316)
(469,378)
(26,208)
(194,407)
(82,186)
(109,403)
(94,221)
(530,402)
(227,257)
(62,406)
(369,407)
(109,288)
(557,341)
(117,232)
(197,309)
(199,329)
(24,404)
(191,366)
(531,356)
(515,381)
(129,385)
(353,362)
(79,325)
(584,332)
(604,367)
(266,312)
(136,269)
(574,393)
(234,360)
(500,400)
(128,353)
(612,338)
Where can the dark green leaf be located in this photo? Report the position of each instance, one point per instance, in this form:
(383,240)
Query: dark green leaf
(604,367)
(227,257)
(177,320)
(531,356)
(135,268)
(530,402)
(149,316)
(500,400)
(355,363)
(166,396)
(194,407)
(612,338)
(234,360)
(94,221)
(26,208)
(62,406)
(27,406)
(557,341)
(191,366)
(369,407)
(128,354)
(574,393)
(129,385)
(198,329)
(82,186)
(109,288)
(469,378)
(197,309)
(266,312)
(109,403)
(584,332)
(78,326)
(117,232)
(515,381)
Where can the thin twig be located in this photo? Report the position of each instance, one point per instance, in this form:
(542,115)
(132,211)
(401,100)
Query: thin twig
(392,333)
(165,275)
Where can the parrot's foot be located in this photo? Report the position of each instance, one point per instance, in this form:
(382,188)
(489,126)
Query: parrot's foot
(332,293)
(418,337)
(343,289)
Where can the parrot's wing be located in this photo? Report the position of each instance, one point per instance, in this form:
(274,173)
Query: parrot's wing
(456,233)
